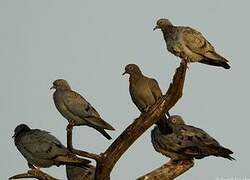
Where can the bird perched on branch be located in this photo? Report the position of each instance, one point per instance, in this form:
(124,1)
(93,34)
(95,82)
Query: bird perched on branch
(77,110)
(41,149)
(189,44)
(186,142)
(144,92)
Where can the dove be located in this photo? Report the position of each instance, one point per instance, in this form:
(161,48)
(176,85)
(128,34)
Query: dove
(79,173)
(189,44)
(42,150)
(77,110)
(186,142)
(144,92)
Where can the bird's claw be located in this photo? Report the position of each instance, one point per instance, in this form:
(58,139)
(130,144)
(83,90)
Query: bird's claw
(69,127)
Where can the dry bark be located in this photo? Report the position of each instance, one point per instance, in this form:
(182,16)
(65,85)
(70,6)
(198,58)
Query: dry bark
(107,160)
(168,171)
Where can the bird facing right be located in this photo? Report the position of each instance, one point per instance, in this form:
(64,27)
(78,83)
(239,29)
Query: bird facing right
(186,142)
(189,44)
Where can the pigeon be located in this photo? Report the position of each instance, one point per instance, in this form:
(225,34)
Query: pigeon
(189,44)
(77,110)
(144,92)
(42,150)
(186,142)
(79,173)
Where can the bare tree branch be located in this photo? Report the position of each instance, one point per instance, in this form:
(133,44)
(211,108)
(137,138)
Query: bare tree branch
(168,171)
(107,160)
(140,125)
(34,173)
(75,151)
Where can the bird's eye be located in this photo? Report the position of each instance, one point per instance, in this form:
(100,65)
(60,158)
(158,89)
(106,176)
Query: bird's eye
(174,121)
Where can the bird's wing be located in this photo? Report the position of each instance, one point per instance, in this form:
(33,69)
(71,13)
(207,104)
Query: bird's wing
(195,41)
(137,100)
(77,105)
(80,107)
(42,145)
(155,88)
(195,141)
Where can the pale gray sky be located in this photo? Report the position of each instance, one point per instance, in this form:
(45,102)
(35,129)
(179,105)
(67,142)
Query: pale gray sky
(89,42)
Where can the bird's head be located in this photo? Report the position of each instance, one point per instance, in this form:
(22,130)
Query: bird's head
(162,23)
(20,128)
(175,120)
(60,84)
(132,69)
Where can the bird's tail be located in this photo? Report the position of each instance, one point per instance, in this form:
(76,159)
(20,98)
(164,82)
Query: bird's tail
(225,153)
(99,122)
(103,132)
(214,59)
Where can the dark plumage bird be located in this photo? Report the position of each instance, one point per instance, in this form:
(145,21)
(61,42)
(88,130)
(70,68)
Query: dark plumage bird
(189,44)
(76,109)
(80,173)
(144,92)
(41,149)
(186,142)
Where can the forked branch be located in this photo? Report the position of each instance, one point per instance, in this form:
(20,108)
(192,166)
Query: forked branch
(140,125)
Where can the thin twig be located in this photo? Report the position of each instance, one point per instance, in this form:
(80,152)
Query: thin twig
(75,151)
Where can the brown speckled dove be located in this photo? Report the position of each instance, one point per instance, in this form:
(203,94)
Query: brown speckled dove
(186,142)
(189,44)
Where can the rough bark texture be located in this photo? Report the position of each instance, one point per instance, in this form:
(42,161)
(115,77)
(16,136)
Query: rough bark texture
(107,160)
(168,171)
(140,125)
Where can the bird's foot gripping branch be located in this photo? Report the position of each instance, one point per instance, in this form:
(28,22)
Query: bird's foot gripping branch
(107,160)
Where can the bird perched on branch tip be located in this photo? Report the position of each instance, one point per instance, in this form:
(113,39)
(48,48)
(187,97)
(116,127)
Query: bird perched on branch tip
(189,44)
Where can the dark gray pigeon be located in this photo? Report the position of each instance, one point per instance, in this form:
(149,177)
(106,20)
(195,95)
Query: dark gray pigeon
(79,173)
(144,92)
(76,109)
(41,149)
(186,142)
(189,44)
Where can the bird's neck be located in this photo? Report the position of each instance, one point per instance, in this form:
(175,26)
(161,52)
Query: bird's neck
(135,77)
(168,31)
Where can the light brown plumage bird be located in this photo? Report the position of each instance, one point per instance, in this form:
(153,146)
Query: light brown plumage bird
(189,44)
(144,92)
(77,110)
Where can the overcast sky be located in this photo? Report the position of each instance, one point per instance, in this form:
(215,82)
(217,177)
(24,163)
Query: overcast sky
(89,43)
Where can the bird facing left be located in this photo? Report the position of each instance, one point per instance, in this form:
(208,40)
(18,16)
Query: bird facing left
(41,149)
(76,109)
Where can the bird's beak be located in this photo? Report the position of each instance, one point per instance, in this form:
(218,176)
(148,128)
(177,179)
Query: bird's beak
(156,27)
(13,135)
(53,87)
(125,72)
